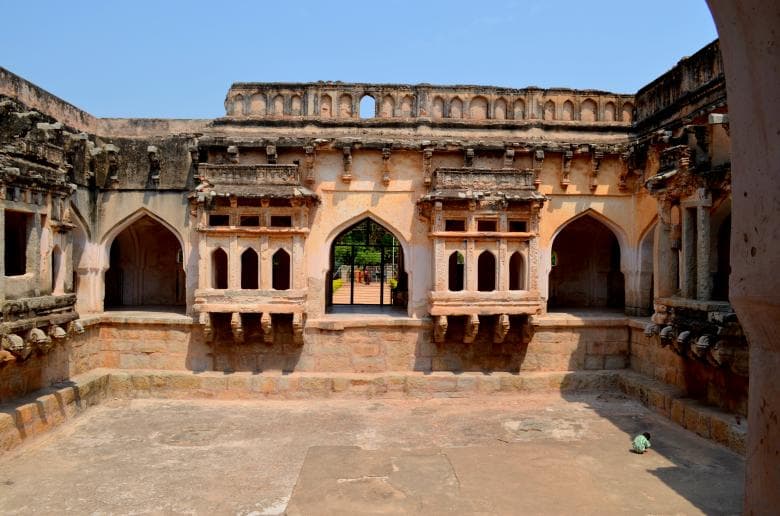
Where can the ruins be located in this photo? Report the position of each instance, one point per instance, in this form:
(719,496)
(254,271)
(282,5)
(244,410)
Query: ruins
(377,228)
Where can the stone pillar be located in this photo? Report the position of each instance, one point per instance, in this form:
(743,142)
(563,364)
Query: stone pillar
(749,39)
(298,280)
(665,264)
(471,267)
(234,264)
(703,276)
(689,255)
(440,265)
(34,252)
(265,264)
(503,266)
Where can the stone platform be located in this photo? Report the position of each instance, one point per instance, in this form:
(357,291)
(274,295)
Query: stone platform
(540,453)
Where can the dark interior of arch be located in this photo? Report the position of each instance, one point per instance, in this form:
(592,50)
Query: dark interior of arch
(486,272)
(145,267)
(586,271)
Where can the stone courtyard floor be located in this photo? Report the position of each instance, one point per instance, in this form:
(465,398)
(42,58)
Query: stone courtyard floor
(501,455)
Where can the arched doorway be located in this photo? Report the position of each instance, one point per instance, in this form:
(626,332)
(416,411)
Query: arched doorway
(586,267)
(367,268)
(145,267)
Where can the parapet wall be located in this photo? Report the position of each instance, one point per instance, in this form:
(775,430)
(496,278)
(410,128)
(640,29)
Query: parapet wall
(341,101)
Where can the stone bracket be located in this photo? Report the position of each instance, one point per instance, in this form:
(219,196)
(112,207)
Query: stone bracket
(266,324)
(346,176)
(386,166)
(565,177)
(237,327)
(439,328)
(427,165)
(208,330)
(472,328)
(308,163)
(501,329)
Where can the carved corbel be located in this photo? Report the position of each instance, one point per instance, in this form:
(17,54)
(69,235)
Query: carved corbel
(308,163)
(700,347)
(270,153)
(6,357)
(237,327)
(386,166)
(427,165)
(660,314)
(266,324)
(565,178)
(721,354)
(537,166)
(667,335)
(681,344)
(297,327)
(595,164)
(651,329)
(57,332)
(75,328)
(37,338)
(509,157)
(439,328)
(233,154)
(17,346)
(208,330)
(468,158)
(502,328)
(346,176)
(112,160)
(625,170)
(472,328)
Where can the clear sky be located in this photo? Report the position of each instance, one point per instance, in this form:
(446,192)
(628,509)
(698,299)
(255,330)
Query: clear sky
(176,59)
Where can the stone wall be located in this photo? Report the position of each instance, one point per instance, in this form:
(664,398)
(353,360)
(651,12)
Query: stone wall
(716,386)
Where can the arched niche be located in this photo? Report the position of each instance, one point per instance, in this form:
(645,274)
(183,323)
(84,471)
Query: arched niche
(585,269)
(499,109)
(437,109)
(145,267)
(345,106)
(387,107)
(456,108)
(219,269)
(478,108)
(326,106)
(588,111)
(549,110)
(609,112)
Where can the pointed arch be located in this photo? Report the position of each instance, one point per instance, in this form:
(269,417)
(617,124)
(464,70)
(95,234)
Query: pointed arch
(387,107)
(456,108)
(616,228)
(437,108)
(478,108)
(356,219)
(549,110)
(456,272)
(588,111)
(609,112)
(487,272)
(250,269)
(296,105)
(407,106)
(219,269)
(587,264)
(518,109)
(499,109)
(646,268)
(281,270)
(110,235)
(567,111)
(326,106)
(517,271)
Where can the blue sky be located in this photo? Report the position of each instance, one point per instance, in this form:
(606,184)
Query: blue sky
(176,59)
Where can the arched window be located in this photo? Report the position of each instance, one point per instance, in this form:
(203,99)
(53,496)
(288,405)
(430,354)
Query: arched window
(367,107)
(280,270)
(219,269)
(486,272)
(249,270)
(145,267)
(456,272)
(586,272)
(516,272)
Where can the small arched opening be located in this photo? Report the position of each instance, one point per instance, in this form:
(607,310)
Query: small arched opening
(516,272)
(586,267)
(219,269)
(367,107)
(145,267)
(249,269)
(456,272)
(280,270)
(486,272)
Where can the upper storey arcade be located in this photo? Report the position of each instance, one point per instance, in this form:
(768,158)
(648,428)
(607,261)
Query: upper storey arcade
(338,101)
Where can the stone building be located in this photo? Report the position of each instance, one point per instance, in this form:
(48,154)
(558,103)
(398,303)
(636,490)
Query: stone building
(373,228)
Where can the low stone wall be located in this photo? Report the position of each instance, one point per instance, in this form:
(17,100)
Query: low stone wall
(76,355)
(51,407)
(715,386)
